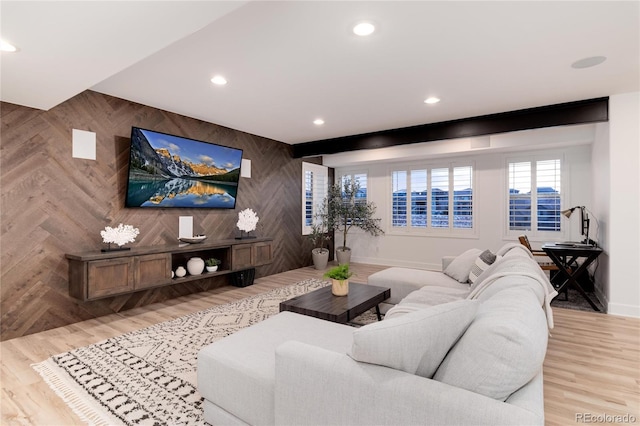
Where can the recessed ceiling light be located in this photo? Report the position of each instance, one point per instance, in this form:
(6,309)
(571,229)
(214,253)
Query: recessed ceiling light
(7,47)
(432,100)
(219,80)
(318,121)
(588,62)
(364,29)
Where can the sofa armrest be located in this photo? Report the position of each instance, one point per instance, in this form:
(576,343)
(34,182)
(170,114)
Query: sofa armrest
(446,260)
(316,386)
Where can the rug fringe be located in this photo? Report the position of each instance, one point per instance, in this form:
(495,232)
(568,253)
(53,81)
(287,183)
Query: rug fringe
(85,409)
(160,385)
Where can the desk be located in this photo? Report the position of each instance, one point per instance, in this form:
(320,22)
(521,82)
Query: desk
(565,256)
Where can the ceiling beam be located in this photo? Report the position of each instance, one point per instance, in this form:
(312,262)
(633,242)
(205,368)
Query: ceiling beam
(579,112)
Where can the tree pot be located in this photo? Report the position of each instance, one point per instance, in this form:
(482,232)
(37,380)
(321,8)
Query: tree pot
(340,287)
(320,258)
(344,255)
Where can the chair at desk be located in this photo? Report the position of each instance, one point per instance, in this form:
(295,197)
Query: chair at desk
(546,264)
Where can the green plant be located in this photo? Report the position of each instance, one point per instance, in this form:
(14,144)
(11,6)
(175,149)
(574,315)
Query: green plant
(319,229)
(318,236)
(212,261)
(344,211)
(340,273)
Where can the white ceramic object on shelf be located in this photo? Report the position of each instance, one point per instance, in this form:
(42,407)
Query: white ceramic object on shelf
(212,268)
(181,272)
(193,240)
(195,266)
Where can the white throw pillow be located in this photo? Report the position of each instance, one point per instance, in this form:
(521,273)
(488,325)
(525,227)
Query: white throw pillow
(416,342)
(481,264)
(460,267)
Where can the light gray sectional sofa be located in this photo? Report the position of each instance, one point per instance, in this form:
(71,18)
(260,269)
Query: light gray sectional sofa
(447,353)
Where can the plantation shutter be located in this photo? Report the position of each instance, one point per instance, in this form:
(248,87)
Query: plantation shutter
(315,180)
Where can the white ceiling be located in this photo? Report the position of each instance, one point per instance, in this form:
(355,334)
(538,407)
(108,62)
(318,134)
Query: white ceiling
(289,62)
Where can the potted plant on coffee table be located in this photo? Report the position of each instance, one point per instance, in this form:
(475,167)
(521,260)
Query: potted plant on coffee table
(345,211)
(339,279)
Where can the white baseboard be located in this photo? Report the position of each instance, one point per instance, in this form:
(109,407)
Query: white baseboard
(619,309)
(623,310)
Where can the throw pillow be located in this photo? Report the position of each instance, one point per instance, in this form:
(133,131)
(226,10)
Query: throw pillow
(416,342)
(481,264)
(460,267)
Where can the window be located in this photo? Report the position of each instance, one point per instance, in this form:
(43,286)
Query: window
(315,179)
(399,198)
(361,194)
(440,198)
(361,178)
(419,198)
(463,197)
(435,197)
(534,195)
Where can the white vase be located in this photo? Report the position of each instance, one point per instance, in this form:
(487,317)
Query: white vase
(195,266)
(181,272)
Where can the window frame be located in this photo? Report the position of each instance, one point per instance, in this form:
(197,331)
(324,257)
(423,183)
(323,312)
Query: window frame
(429,230)
(534,157)
(352,174)
(316,196)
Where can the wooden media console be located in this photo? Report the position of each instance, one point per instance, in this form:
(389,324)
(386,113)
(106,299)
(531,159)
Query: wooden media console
(95,274)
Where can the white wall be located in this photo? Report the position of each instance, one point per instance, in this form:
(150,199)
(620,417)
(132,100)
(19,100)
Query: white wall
(624,194)
(600,195)
(490,203)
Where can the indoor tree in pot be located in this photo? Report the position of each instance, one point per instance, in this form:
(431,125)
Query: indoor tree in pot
(344,212)
(318,236)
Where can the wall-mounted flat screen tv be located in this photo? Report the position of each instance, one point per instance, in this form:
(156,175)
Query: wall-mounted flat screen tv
(171,171)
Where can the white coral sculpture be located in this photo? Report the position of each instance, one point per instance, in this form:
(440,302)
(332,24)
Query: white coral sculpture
(247,220)
(120,235)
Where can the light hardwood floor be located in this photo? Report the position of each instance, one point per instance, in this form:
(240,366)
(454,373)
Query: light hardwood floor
(592,365)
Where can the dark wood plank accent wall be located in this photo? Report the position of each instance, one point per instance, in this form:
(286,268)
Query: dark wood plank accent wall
(54,204)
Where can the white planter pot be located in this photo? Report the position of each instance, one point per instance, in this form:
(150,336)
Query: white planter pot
(212,268)
(320,258)
(343,254)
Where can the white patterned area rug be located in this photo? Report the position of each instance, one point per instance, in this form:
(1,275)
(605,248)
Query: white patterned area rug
(148,377)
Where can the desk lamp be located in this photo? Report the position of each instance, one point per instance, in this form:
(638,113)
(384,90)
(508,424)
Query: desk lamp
(584,220)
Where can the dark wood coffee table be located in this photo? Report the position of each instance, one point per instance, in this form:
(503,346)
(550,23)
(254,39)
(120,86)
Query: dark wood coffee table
(324,305)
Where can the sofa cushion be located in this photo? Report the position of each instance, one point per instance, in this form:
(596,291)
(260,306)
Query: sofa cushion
(481,264)
(503,348)
(403,281)
(460,267)
(237,373)
(425,297)
(416,342)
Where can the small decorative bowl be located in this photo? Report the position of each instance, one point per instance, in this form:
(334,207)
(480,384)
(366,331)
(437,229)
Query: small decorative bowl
(194,240)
